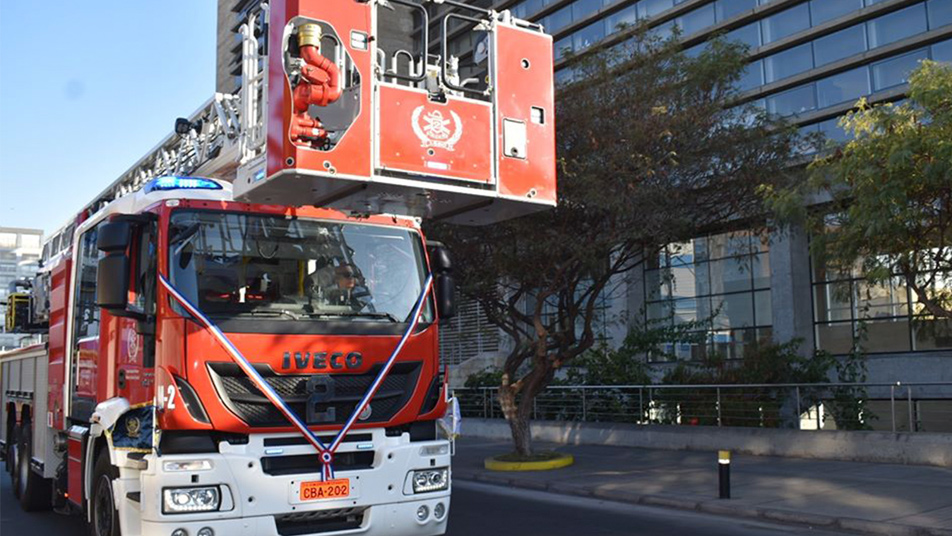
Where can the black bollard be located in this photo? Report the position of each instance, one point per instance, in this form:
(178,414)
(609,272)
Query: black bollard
(724,473)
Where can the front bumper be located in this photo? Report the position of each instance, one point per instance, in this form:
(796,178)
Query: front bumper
(256,503)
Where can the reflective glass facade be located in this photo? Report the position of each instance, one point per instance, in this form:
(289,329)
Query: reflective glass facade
(718,286)
(809,61)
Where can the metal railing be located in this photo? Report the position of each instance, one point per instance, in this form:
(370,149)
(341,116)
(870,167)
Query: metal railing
(895,406)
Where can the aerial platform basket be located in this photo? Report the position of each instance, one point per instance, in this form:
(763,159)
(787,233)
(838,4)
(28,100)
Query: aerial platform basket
(431,109)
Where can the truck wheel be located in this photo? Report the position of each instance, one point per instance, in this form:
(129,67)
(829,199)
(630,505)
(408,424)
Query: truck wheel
(34,491)
(105,517)
(13,458)
(8,455)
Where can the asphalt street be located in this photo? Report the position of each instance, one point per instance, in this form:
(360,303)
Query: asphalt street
(482,509)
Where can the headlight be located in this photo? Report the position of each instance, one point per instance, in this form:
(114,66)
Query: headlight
(186,500)
(431,480)
(187,465)
(435,450)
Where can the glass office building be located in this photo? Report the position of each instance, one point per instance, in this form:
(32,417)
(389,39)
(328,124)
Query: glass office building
(809,61)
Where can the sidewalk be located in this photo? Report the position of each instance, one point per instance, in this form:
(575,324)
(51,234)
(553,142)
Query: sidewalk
(866,498)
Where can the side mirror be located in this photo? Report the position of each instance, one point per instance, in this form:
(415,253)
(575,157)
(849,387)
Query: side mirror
(114,236)
(445,296)
(444,284)
(440,259)
(112,282)
(112,279)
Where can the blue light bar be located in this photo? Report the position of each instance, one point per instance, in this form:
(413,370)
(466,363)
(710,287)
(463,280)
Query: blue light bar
(181,183)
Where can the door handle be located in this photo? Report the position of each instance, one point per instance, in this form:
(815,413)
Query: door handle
(122,379)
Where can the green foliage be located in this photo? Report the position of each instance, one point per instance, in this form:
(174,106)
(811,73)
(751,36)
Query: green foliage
(650,151)
(848,405)
(485,378)
(744,406)
(764,363)
(605,366)
(890,192)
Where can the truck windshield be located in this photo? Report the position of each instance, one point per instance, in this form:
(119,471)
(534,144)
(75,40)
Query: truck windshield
(237,265)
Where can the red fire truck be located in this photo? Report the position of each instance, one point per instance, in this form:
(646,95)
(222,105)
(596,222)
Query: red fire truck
(257,353)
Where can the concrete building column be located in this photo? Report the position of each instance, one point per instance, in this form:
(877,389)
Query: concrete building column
(792,303)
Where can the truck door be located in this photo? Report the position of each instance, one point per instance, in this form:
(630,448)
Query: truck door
(135,376)
(84,354)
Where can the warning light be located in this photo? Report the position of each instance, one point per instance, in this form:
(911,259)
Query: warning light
(181,183)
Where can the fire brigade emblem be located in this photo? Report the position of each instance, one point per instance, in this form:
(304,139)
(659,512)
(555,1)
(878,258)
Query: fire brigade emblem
(132,345)
(133,427)
(436,130)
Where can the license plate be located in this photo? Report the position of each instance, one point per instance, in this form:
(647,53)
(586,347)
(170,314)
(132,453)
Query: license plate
(331,489)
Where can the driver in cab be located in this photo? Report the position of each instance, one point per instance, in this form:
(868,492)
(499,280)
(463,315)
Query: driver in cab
(342,292)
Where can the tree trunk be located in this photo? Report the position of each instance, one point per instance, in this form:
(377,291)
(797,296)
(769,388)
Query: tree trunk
(521,434)
(517,418)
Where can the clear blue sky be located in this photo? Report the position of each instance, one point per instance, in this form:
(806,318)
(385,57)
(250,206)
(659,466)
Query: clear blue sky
(86,88)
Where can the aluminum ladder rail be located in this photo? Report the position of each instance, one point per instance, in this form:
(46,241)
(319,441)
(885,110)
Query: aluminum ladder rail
(226,132)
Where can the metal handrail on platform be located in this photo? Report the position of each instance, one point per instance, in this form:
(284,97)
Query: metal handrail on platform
(804,406)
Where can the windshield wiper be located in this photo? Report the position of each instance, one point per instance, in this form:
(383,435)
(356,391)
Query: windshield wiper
(366,314)
(270,312)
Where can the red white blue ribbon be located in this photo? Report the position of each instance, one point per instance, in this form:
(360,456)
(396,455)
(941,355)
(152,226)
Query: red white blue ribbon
(326,452)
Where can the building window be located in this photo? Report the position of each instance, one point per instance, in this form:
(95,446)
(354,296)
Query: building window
(588,36)
(749,35)
(824,10)
(839,45)
(558,20)
(621,19)
(562,47)
(717,285)
(832,131)
(794,101)
(753,76)
(789,62)
(696,20)
(844,87)
(787,22)
(940,13)
(650,8)
(882,318)
(898,25)
(942,51)
(727,9)
(584,8)
(895,71)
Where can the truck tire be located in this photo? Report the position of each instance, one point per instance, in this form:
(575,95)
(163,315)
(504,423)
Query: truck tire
(34,491)
(104,518)
(12,459)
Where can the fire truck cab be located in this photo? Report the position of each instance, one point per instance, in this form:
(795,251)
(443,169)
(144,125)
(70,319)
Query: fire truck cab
(149,418)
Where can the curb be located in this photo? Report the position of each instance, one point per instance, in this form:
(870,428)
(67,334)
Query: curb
(563,460)
(846,524)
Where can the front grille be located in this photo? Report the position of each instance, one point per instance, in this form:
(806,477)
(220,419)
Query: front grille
(301,464)
(320,521)
(245,400)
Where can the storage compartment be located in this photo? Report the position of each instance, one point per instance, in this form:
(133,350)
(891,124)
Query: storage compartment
(360,119)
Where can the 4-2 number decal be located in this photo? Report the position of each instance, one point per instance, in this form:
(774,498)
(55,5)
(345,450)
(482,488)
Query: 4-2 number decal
(166,398)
